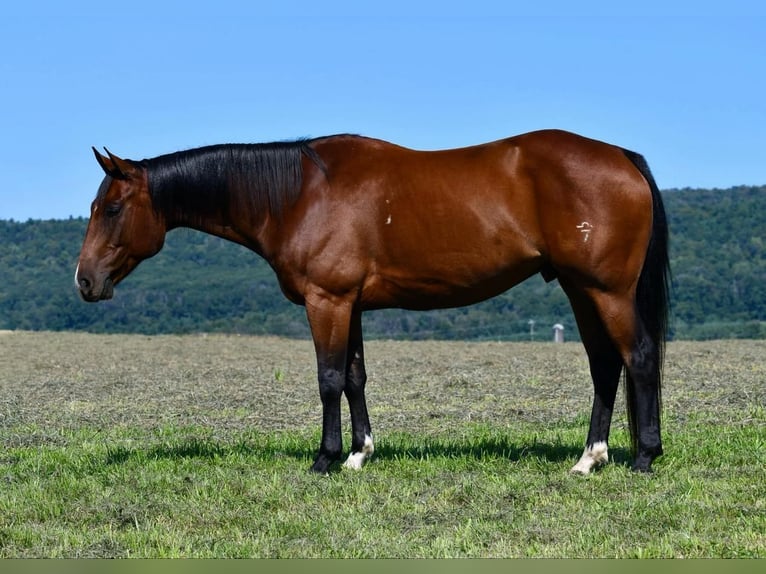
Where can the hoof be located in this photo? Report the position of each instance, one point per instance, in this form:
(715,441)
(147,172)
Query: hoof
(593,455)
(642,468)
(322,464)
(356,460)
(643,463)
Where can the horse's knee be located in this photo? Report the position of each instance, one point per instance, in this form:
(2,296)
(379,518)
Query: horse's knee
(331,384)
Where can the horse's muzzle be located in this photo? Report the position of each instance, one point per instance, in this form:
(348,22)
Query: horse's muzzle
(91,290)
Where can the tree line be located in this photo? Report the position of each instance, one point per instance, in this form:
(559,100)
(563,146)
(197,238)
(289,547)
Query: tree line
(199,283)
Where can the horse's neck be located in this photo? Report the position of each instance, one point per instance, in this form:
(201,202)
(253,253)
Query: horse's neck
(232,191)
(242,228)
(225,216)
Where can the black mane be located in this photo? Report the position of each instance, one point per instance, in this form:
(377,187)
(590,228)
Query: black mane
(215,180)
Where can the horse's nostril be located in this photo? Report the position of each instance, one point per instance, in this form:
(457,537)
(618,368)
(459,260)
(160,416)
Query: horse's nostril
(84,283)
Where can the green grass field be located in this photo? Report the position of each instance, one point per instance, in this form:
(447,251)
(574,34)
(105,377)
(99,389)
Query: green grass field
(199,446)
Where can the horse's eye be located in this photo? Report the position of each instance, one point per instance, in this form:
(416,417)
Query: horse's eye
(113,209)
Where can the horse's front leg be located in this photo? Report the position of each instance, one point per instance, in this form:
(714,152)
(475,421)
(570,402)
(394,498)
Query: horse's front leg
(361,440)
(329,319)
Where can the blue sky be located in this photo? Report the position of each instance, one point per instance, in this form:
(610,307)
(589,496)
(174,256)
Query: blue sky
(684,83)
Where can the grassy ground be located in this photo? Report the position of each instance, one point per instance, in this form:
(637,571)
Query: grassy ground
(131,446)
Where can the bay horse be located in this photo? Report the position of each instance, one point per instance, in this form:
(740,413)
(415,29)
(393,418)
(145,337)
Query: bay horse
(351,224)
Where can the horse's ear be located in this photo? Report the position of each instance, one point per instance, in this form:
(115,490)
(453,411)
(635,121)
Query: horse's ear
(104,162)
(114,166)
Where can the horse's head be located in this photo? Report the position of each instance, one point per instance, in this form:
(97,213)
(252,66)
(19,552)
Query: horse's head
(124,228)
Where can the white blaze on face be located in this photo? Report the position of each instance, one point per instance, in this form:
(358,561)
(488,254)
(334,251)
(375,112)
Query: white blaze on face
(76,271)
(593,455)
(356,459)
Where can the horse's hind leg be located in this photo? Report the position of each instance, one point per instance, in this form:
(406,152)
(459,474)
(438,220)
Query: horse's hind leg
(641,357)
(643,400)
(605,367)
(361,441)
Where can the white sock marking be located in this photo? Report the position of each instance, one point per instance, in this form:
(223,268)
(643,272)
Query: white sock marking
(356,459)
(593,455)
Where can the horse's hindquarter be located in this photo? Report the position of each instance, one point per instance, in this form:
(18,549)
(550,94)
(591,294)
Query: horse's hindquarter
(421,229)
(595,208)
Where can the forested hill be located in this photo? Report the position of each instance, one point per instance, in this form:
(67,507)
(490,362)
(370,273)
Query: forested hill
(199,283)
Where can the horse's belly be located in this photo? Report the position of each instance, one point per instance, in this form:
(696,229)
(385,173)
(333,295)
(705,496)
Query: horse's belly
(423,287)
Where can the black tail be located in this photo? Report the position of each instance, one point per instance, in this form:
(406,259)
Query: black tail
(653,292)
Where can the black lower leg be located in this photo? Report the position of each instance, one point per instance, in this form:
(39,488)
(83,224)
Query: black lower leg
(605,370)
(356,379)
(644,402)
(331,383)
(357,403)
